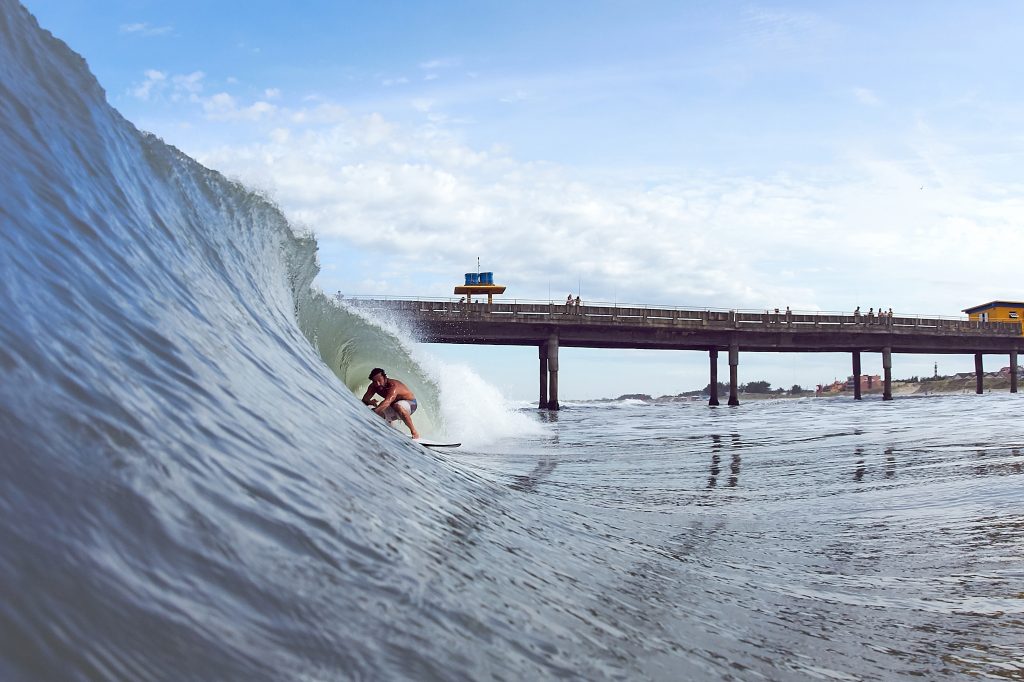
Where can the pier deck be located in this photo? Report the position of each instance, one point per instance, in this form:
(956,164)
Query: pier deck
(550,325)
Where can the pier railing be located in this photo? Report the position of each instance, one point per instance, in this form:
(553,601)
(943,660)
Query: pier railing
(631,314)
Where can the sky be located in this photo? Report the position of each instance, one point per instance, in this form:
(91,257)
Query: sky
(728,155)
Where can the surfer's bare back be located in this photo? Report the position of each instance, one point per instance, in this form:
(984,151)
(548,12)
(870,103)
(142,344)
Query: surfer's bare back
(398,401)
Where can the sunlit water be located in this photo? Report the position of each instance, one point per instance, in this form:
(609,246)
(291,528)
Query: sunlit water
(189,488)
(787,538)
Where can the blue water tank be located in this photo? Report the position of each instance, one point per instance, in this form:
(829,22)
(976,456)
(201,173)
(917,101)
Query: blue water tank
(486,278)
(472,278)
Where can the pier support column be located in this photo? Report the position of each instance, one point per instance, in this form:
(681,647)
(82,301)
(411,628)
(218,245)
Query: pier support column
(887,371)
(542,353)
(713,386)
(856,375)
(979,374)
(553,372)
(1013,371)
(734,362)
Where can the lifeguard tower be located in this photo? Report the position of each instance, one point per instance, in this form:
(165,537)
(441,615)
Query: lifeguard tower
(480,283)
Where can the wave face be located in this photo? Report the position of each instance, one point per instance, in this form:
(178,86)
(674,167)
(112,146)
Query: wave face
(188,486)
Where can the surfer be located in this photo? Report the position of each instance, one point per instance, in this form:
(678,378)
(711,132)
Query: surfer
(398,401)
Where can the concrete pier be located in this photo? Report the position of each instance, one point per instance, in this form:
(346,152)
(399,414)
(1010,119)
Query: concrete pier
(547,326)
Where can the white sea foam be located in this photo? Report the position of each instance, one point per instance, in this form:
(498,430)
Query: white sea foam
(474,412)
(468,409)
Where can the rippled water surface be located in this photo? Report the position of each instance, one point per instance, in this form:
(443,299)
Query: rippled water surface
(190,489)
(790,538)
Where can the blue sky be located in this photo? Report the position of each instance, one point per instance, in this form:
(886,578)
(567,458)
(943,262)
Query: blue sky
(729,155)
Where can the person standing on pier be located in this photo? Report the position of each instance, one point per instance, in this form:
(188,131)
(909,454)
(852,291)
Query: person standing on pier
(398,400)
(579,304)
(568,304)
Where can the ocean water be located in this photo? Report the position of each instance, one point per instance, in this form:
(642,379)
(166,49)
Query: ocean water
(190,489)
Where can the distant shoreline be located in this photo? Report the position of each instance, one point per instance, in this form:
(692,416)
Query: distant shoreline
(939,386)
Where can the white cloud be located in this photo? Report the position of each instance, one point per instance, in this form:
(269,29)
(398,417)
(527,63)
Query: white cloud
(144,29)
(224,107)
(407,193)
(721,242)
(323,113)
(391,82)
(866,96)
(222,102)
(153,80)
(178,88)
(517,96)
(442,63)
(188,85)
(423,104)
(782,34)
(780,26)
(864,233)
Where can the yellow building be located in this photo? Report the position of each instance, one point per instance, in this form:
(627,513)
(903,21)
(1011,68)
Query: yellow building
(997,311)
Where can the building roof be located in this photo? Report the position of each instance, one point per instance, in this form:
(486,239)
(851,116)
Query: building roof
(992,304)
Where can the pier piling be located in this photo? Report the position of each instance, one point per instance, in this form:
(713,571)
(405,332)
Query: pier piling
(979,374)
(1013,371)
(713,386)
(542,352)
(887,370)
(553,372)
(856,375)
(734,361)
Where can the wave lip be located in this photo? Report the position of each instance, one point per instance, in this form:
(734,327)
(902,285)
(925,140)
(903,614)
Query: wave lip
(187,488)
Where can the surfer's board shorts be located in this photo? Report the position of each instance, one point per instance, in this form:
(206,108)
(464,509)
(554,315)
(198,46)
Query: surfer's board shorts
(391,414)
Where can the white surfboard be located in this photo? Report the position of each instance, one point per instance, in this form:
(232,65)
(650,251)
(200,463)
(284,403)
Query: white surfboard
(435,444)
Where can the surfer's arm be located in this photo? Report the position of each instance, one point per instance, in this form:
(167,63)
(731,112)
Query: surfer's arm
(391,396)
(368,397)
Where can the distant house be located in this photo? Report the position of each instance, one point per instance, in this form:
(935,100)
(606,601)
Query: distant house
(867,382)
(834,387)
(997,311)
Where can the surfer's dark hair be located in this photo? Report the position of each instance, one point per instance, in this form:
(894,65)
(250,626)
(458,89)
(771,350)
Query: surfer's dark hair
(376,371)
